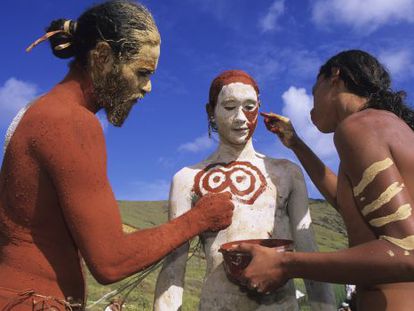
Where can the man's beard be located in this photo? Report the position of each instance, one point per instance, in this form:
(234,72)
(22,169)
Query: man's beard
(114,93)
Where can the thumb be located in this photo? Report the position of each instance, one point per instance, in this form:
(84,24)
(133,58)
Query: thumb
(227,195)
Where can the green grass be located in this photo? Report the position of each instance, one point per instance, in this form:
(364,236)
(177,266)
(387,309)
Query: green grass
(328,226)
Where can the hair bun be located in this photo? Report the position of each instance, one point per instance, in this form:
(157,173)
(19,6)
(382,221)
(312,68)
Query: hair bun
(62,42)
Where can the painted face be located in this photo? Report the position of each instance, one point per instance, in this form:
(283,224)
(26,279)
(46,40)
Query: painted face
(126,83)
(323,114)
(236,113)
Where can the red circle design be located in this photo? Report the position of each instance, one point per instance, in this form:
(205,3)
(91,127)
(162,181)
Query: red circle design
(256,181)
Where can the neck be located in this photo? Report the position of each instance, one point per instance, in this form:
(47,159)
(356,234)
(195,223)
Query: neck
(350,103)
(79,80)
(227,152)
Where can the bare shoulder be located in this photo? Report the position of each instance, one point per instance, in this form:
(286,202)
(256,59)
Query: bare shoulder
(55,114)
(52,127)
(369,126)
(185,176)
(282,166)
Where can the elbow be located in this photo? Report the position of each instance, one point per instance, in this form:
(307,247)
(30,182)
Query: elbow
(408,270)
(106,275)
(107,270)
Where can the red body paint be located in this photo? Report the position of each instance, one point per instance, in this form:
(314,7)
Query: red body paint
(227,77)
(222,177)
(57,206)
(252,117)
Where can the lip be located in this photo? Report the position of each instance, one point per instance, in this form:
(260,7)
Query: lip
(241,129)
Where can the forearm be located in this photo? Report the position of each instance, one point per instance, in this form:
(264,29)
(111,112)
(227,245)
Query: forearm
(131,253)
(369,263)
(322,176)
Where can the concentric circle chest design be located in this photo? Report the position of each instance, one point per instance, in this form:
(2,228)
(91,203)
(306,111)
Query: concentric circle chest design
(244,180)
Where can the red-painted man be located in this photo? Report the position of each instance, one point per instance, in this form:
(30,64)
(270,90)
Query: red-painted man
(56,203)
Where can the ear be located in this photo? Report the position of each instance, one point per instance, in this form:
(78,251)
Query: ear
(209,110)
(102,56)
(335,77)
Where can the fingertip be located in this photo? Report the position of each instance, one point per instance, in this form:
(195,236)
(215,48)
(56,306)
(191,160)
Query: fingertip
(227,194)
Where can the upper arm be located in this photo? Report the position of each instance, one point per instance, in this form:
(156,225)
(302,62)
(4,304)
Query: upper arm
(180,199)
(377,184)
(72,151)
(170,281)
(298,210)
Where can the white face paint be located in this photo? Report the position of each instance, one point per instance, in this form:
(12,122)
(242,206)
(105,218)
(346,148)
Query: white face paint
(233,113)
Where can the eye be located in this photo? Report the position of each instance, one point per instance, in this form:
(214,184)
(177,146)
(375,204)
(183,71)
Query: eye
(144,72)
(229,108)
(249,107)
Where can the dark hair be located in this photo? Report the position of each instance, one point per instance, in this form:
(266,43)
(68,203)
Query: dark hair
(123,24)
(365,76)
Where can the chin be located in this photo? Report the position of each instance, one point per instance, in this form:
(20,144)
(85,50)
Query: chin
(239,141)
(325,130)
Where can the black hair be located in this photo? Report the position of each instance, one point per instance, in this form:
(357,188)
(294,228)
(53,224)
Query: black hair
(115,22)
(365,76)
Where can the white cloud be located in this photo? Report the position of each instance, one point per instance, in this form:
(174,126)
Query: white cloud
(199,144)
(364,16)
(296,106)
(269,21)
(399,62)
(101,115)
(155,190)
(14,95)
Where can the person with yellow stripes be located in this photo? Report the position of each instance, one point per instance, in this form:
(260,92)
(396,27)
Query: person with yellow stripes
(373,190)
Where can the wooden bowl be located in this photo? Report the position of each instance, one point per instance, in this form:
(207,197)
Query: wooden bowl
(236,261)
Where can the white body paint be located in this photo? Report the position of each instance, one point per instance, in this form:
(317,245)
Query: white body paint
(13,125)
(280,211)
(233,124)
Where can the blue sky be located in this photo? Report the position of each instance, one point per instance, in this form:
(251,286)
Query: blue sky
(280,43)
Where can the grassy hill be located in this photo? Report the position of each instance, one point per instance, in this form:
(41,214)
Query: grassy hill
(330,235)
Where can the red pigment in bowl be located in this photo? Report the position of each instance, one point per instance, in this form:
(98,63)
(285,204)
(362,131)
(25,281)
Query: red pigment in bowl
(236,261)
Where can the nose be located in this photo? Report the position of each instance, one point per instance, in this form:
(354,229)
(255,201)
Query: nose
(240,116)
(146,87)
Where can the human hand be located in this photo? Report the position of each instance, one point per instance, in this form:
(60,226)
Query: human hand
(282,127)
(215,211)
(266,271)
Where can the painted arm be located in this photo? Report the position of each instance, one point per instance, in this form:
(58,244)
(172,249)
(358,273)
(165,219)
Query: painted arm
(170,282)
(384,202)
(321,295)
(322,176)
(72,151)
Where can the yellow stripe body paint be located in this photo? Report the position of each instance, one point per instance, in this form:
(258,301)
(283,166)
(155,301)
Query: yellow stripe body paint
(403,212)
(406,243)
(128,229)
(370,173)
(384,198)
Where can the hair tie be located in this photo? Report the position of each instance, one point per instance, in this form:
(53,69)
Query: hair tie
(69,27)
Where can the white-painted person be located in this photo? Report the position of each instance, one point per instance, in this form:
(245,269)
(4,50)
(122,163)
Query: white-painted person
(270,201)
